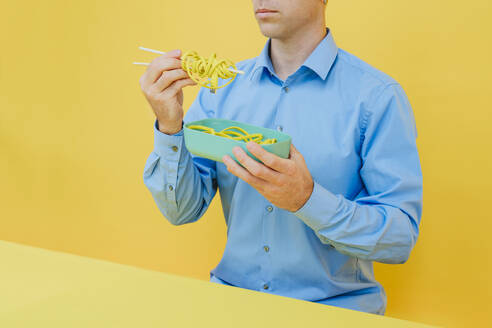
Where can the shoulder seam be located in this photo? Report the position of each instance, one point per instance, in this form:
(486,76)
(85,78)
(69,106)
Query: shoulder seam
(368,113)
(363,70)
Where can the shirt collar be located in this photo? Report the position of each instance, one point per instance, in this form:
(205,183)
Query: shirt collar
(320,60)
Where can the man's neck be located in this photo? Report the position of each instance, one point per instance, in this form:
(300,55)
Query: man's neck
(287,55)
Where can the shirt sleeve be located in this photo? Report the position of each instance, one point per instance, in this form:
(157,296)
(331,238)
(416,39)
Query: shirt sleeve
(182,184)
(382,222)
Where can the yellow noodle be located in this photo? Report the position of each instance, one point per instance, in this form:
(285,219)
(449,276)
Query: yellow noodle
(207,71)
(227,133)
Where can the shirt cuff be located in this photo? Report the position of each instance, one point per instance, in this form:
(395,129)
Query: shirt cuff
(320,208)
(168,146)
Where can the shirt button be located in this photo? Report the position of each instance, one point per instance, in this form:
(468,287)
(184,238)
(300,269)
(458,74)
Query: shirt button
(269,208)
(171,187)
(265,286)
(286,89)
(279,128)
(175,148)
(266,248)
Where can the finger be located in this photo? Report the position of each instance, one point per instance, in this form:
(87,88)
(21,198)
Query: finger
(295,154)
(255,168)
(157,67)
(242,173)
(273,161)
(176,53)
(167,78)
(177,85)
(162,64)
(147,79)
(292,151)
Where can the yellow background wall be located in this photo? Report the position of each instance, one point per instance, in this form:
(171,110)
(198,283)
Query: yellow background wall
(75,132)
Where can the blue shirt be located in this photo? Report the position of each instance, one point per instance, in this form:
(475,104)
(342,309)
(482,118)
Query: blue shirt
(355,128)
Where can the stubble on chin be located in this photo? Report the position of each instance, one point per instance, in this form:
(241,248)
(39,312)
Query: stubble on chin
(271,30)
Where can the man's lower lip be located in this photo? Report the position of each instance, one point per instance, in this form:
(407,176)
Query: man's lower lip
(266,14)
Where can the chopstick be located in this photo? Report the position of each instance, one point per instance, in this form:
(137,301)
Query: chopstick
(162,53)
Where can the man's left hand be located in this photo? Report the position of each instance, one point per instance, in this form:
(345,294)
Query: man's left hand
(285,182)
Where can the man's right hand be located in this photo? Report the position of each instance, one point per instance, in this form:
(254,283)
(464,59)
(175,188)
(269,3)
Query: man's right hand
(162,85)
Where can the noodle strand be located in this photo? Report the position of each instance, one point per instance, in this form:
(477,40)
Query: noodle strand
(207,71)
(241,136)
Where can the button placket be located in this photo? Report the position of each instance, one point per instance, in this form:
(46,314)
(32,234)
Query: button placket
(265,260)
(173,155)
(285,89)
(172,171)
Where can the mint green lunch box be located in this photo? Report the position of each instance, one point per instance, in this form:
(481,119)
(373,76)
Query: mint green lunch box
(214,147)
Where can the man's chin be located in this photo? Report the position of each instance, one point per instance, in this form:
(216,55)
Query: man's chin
(271,30)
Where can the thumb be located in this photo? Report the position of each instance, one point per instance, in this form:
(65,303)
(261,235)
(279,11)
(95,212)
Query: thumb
(293,151)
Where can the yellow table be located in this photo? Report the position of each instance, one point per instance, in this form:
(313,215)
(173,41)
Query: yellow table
(43,288)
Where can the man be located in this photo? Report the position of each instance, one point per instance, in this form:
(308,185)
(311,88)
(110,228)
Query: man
(350,193)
